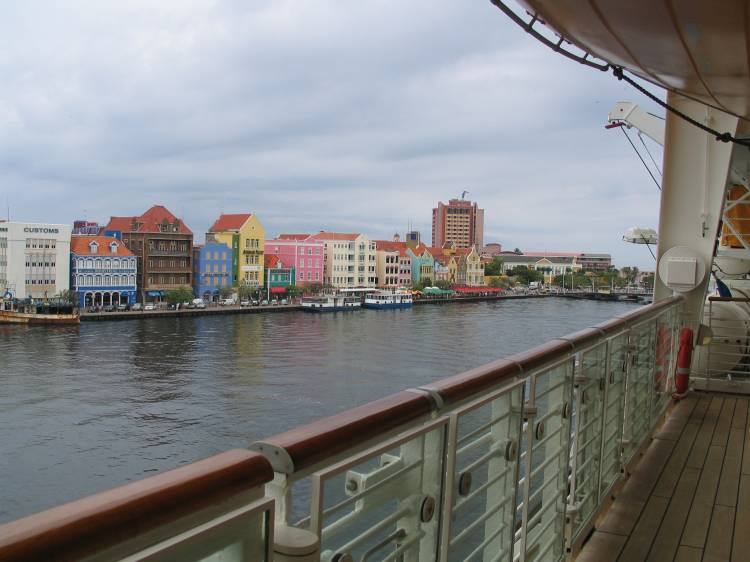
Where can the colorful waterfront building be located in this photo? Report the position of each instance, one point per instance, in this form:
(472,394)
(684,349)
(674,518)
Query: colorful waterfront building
(470,268)
(278,277)
(422,265)
(245,235)
(103,271)
(302,253)
(350,259)
(388,260)
(163,245)
(212,263)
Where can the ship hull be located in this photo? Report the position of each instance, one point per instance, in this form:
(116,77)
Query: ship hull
(324,309)
(13,317)
(387,306)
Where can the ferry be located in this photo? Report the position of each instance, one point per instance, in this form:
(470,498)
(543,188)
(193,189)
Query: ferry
(50,313)
(331,303)
(388,299)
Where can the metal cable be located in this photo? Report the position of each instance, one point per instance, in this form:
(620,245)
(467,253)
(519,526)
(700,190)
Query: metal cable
(641,158)
(640,136)
(619,73)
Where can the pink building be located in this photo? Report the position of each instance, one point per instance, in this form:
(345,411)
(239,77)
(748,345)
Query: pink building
(302,252)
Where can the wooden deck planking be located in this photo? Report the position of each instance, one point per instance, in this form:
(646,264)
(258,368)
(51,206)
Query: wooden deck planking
(741,539)
(689,497)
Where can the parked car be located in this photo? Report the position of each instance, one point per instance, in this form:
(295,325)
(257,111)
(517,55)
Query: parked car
(122,307)
(245,303)
(255,302)
(274,302)
(227,302)
(264,302)
(284,301)
(149,306)
(109,308)
(200,304)
(136,306)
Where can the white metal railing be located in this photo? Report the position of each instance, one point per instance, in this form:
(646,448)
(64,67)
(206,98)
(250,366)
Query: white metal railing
(517,470)
(724,363)
(510,462)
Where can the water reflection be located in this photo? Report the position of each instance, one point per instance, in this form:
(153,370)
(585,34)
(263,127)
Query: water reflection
(83,409)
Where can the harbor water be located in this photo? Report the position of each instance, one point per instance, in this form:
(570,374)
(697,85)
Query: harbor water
(86,408)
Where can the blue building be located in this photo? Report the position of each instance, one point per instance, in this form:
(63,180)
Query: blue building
(102,271)
(212,269)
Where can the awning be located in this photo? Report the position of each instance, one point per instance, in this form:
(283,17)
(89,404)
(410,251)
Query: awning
(278,289)
(155,293)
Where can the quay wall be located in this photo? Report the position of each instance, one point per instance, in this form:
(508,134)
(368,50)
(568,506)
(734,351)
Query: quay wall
(213,311)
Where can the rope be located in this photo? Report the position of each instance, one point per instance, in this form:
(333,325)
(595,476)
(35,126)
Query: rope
(723,137)
(641,158)
(640,136)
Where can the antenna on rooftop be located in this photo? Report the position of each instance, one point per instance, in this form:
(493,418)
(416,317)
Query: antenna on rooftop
(463,195)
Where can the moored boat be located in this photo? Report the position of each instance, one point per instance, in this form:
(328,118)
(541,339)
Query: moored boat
(331,303)
(388,299)
(13,312)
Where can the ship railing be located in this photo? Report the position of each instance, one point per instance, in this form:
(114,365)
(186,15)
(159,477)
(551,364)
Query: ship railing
(722,363)
(510,461)
(211,508)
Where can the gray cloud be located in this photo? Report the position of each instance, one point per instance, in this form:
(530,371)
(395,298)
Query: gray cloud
(313,114)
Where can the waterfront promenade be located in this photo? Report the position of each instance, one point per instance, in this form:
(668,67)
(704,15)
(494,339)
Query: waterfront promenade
(236,309)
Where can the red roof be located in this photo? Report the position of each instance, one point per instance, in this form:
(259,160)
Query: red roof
(294,236)
(477,289)
(230,222)
(390,246)
(147,222)
(334,236)
(271,260)
(81,246)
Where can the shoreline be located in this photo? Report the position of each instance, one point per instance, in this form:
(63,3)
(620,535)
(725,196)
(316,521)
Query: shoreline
(236,309)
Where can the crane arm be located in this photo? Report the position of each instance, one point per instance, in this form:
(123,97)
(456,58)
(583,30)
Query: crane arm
(629,114)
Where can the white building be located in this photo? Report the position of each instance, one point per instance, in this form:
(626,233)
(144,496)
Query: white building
(350,260)
(34,259)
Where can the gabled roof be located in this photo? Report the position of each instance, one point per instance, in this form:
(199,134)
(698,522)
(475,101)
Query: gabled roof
(389,245)
(420,250)
(147,222)
(297,237)
(81,246)
(322,235)
(227,223)
(271,260)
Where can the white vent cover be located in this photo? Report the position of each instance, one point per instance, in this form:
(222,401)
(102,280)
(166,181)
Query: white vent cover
(682,269)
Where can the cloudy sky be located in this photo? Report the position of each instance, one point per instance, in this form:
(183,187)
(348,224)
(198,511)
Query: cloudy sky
(314,114)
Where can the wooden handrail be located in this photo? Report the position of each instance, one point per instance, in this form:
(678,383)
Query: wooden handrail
(97,522)
(729,299)
(314,442)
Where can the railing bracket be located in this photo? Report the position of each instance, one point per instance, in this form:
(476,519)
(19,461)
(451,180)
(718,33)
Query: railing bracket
(436,401)
(277,456)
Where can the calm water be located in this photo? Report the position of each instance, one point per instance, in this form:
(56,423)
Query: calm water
(84,409)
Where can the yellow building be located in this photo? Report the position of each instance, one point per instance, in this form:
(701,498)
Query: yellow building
(246,236)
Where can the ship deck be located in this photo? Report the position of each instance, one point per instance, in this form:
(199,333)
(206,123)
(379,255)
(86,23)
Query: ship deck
(688,499)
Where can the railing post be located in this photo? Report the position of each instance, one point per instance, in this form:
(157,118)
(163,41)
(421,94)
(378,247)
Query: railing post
(528,412)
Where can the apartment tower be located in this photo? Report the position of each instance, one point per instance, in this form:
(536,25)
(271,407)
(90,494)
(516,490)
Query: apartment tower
(459,222)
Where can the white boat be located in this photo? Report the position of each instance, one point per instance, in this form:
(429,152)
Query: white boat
(388,299)
(331,303)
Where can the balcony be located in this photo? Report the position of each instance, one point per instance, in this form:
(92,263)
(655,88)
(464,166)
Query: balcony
(518,459)
(173,253)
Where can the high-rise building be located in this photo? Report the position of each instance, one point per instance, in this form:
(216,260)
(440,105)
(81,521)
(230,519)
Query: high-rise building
(459,222)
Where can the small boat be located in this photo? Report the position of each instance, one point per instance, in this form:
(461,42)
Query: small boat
(48,313)
(388,299)
(331,303)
